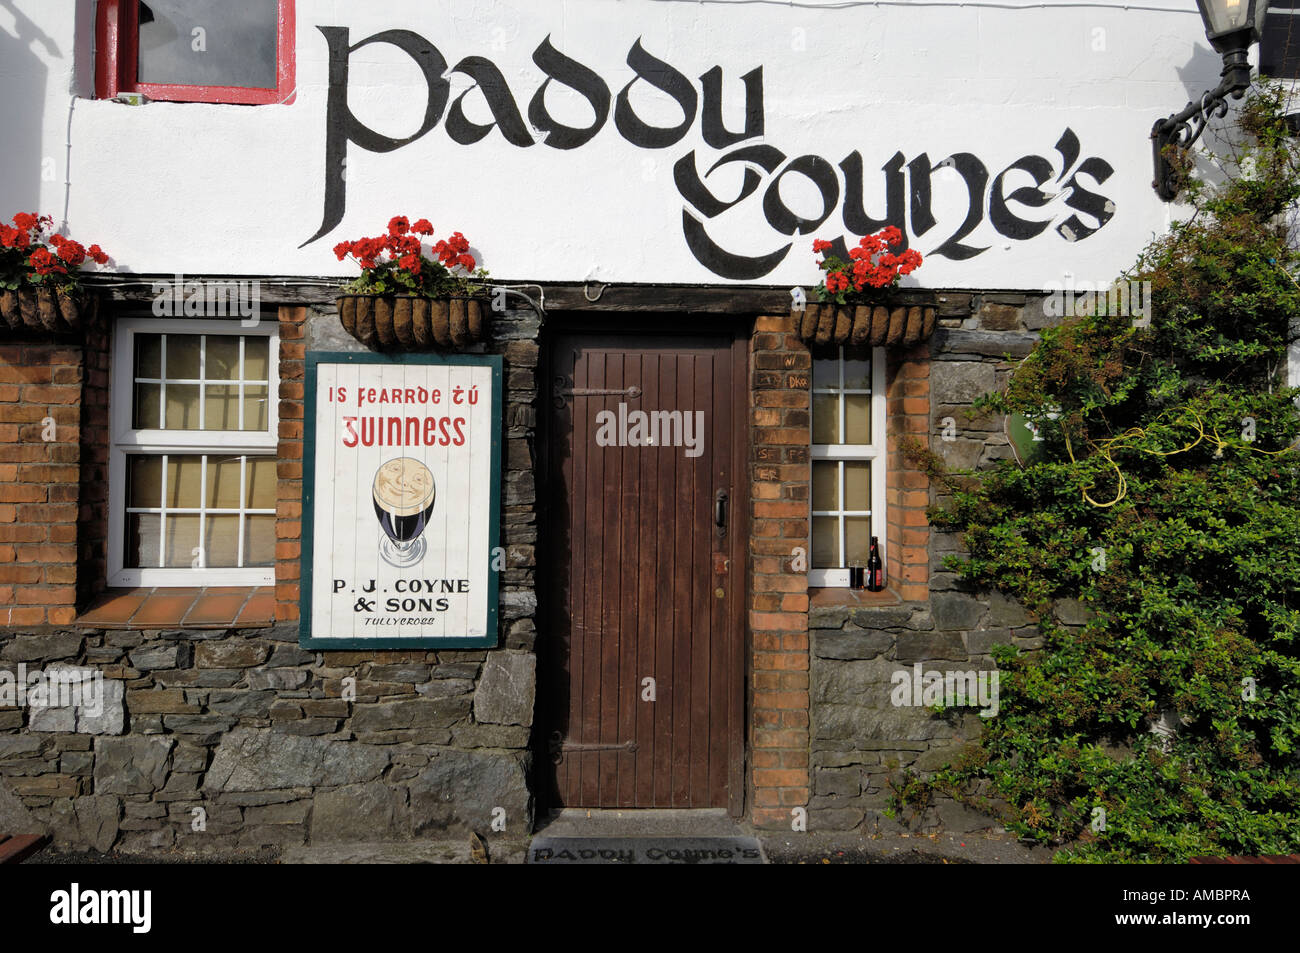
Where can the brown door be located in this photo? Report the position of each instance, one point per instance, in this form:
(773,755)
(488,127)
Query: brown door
(645,522)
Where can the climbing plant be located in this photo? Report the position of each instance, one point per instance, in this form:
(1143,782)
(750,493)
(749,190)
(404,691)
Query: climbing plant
(1165,500)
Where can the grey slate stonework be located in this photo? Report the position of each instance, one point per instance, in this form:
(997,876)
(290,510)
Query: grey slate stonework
(252,733)
(860,740)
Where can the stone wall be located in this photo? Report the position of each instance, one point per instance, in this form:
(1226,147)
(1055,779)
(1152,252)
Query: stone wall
(860,739)
(237,738)
(275,745)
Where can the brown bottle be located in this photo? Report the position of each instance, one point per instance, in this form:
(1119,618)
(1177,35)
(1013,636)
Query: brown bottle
(875,568)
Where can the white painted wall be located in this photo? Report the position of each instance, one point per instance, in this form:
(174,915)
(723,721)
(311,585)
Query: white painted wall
(236,189)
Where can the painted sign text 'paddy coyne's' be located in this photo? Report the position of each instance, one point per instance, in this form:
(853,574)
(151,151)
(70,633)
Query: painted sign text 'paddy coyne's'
(1035,193)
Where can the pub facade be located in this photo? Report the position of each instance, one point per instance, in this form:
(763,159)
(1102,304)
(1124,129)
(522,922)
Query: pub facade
(336,565)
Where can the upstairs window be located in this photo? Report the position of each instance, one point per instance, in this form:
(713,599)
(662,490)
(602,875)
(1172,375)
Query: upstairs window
(1279,41)
(235,51)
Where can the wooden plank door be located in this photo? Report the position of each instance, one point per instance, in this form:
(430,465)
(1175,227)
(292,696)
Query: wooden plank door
(644,515)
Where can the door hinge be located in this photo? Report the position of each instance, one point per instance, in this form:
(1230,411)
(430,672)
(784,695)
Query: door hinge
(560,392)
(558,746)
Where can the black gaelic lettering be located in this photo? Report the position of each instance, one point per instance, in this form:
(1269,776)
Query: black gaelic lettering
(1003,219)
(505,114)
(818,171)
(688,182)
(724,263)
(715,133)
(972,170)
(568,72)
(664,77)
(1090,203)
(856,219)
(706,251)
(1068,147)
(342,127)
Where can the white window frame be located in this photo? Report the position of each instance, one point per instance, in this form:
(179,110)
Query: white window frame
(875,453)
(1293,356)
(125,440)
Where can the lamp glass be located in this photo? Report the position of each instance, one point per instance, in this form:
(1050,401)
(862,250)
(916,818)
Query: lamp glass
(1228,16)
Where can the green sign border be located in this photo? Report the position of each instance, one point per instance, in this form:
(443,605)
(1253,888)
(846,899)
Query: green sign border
(314,360)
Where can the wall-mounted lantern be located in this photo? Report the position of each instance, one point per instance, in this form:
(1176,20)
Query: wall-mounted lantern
(1231,27)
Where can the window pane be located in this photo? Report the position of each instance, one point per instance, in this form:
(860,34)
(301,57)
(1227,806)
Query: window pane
(223,483)
(261,484)
(826,373)
(182,407)
(256,351)
(148,355)
(238,48)
(182,540)
(259,540)
(145,414)
(183,475)
(825,418)
(142,540)
(144,482)
(182,357)
(825,542)
(221,363)
(857,533)
(255,407)
(857,374)
(221,407)
(221,548)
(825,486)
(857,485)
(857,418)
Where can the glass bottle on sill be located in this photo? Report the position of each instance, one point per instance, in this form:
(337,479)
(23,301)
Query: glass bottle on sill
(875,568)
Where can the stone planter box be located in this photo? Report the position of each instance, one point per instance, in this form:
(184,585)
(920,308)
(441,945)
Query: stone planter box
(44,311)
(411,323)
(868,325)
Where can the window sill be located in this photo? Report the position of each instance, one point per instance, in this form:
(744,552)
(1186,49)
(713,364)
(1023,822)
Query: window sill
(844,596)
(203,607)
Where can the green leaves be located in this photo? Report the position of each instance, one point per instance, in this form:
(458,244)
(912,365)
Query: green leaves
(1173,457)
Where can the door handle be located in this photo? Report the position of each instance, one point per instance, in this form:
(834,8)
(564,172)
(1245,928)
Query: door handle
(720,511)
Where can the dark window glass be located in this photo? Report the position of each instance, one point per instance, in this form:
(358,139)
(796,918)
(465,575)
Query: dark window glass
(202,43)
(1279,44)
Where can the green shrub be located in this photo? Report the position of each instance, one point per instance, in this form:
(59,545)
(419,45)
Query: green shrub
(1172,456)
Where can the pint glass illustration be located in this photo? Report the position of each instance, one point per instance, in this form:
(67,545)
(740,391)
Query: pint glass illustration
(403,495)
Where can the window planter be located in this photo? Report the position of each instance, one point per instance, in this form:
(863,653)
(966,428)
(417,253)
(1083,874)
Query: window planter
(413,323)
(864,324)
(46,311)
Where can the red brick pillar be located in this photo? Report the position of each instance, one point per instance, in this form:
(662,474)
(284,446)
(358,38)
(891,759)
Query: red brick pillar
(907,405)
(778,617)
(40,477)
(288,507)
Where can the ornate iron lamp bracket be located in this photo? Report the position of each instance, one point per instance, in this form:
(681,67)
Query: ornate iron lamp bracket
(1183,128)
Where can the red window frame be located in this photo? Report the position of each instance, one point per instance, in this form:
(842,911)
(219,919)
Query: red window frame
(117,43)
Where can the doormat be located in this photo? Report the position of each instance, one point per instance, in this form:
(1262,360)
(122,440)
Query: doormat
(645,850)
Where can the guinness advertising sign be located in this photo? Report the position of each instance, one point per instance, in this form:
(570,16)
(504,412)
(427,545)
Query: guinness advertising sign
(402,501)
